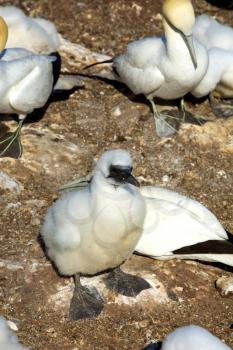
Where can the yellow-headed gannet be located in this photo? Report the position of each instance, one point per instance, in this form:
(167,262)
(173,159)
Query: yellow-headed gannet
(27,81)
(40,35)
(168,66)
(96,228)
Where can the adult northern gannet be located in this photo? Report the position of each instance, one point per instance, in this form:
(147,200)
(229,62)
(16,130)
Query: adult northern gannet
(37,35)
(96,228)
(177,226)
(189,338)
(166,67)
(27,81)
(218,82)
(8,340)
(41,36)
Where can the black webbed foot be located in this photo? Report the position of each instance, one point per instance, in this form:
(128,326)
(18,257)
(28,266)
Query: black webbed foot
(124,283)
(86,303)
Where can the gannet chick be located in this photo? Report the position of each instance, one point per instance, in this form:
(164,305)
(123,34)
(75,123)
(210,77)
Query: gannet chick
(166,67)
(217,82)
(27,83)
(96,228)
(177,226)
(8,340)
(190,338)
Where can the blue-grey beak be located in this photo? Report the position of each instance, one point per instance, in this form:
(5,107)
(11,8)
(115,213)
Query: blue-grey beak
(188,39)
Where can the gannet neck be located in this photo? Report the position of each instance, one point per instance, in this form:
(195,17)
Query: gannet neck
(178,48)
(180,18)
(3,33)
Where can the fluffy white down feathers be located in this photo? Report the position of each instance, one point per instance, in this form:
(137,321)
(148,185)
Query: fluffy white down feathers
(98,227)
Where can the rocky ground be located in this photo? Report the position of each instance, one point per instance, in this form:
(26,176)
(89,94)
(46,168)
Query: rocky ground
(62,146)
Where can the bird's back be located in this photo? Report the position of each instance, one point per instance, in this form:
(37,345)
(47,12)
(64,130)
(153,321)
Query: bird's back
(212,33)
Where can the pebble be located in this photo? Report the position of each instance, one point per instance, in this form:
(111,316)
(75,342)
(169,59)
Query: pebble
(7,183)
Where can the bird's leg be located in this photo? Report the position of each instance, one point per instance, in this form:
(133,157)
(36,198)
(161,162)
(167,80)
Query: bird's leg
(183,109)
(85,303)
(163,128)
(16,135)
(124,283)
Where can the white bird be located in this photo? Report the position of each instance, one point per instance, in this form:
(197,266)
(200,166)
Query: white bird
(166,67)
(27,82)
(218,82)
(41,36)
(96,228)
(37,35)
(190,338)
(177,226)
(8,340)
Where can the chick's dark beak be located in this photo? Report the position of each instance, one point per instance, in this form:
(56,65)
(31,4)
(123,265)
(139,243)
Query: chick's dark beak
(123,174)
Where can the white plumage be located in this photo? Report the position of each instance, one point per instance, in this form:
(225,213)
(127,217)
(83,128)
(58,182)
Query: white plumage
(8,340)
(193,338)
(166,67)
(40,36)
(27,81)
(212,33)
(218,39)
(174,221)
(35,34)
(96,228)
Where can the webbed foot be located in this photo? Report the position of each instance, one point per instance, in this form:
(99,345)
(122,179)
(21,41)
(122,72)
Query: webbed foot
(86,303)
(125,283)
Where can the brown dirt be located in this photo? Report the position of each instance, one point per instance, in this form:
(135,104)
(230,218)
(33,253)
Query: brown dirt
(198,162)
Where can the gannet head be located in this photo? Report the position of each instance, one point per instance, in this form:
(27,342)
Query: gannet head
(3,33)
(115,167)
(180,16)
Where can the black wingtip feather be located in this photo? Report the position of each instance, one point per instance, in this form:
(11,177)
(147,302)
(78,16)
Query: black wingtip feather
(230,236)
(207,247)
